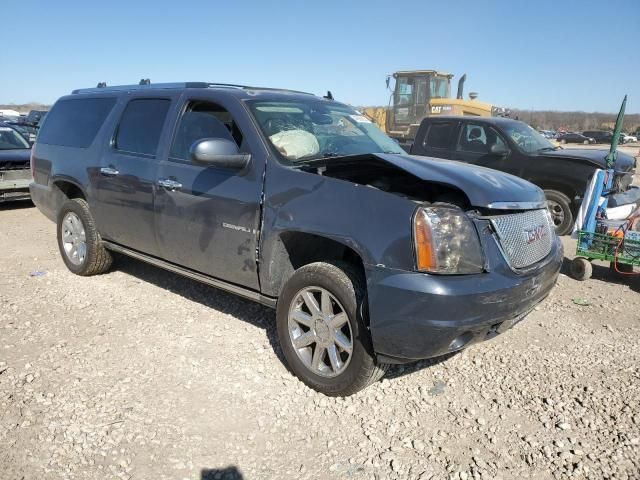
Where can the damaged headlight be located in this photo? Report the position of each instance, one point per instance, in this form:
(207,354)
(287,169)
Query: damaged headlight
(446,241)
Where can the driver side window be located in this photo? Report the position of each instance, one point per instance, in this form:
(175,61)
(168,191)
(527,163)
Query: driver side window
(203,120)
(477,138)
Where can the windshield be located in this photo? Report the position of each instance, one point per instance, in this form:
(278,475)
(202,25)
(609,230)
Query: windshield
(11,140)
(303,130)
(528,139)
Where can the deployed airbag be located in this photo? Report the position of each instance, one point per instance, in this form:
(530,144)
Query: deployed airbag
(295,144)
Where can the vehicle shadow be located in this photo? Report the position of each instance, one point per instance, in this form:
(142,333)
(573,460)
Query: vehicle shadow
(397,371)
(16,205)
(228,473)
(211,297)
(605,274)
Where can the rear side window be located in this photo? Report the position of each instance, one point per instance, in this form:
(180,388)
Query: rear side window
(75,122)
(141,125)
(438,135)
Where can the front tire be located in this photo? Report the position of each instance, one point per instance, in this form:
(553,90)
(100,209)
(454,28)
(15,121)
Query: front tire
(559,207)
(79,241)
(321,327)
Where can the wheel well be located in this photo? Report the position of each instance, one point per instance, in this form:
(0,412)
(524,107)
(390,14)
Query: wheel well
(296,249)
(69,190)
(570,192)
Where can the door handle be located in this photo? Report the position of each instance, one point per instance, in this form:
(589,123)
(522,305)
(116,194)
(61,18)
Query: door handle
(169,184)
(109,171)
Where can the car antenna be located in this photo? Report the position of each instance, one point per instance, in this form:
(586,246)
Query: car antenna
(329,95)
(102,85)
(145,81)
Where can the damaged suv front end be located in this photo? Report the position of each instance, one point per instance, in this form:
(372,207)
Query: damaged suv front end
(452,253)
(504,266)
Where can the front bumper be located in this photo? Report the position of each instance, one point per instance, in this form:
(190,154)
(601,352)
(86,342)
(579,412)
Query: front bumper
(14,184)
(415,316)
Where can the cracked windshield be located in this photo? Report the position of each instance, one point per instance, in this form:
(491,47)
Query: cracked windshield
(302,131)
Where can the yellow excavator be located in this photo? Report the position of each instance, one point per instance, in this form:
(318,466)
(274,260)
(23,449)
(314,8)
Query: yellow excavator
(422,93)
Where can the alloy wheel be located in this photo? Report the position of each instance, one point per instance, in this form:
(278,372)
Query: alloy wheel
(74,239)
(320,332)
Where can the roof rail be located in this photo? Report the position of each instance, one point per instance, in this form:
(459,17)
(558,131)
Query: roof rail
(143,85)
(146,84)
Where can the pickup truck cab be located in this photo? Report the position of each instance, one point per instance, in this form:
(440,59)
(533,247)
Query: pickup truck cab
(369,256)
(514,147)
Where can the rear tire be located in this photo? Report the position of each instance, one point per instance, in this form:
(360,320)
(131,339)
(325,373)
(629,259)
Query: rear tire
(581,269)
(345,289)
(559,207)
(78,240)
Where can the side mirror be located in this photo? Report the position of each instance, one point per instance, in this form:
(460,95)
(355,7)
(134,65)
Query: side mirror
(218,152)
(499,150)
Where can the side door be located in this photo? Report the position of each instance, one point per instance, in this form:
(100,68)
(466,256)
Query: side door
(481,144)
(125,183)
(435,138)
(209,221)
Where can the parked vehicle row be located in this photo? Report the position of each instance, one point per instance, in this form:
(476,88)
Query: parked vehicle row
(587,137)
(369,255)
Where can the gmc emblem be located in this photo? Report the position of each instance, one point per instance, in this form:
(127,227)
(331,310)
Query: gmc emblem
(535,233)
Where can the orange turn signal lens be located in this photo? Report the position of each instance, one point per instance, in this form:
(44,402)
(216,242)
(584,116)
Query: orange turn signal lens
(425,255)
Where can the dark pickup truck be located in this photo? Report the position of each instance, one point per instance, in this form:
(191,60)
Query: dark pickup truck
(514,147)
(370,256)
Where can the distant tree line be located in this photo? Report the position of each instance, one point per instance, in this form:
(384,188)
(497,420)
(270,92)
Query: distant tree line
(25,107)
(575,121)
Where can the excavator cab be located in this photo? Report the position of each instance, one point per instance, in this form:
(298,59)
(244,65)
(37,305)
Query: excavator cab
(412,96)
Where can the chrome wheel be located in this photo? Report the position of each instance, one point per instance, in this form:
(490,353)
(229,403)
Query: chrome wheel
(74,239)
(556,211)
(320,332)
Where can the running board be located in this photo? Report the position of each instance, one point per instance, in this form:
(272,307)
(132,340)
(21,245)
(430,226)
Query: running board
(214,282)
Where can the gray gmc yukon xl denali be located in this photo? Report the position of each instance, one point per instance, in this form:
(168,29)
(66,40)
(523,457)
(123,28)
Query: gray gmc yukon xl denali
(369,256)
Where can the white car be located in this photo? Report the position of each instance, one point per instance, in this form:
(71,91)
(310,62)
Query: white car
(628,138)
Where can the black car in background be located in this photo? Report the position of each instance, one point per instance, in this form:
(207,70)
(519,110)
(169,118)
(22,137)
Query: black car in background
(15,172)
(575,138)
(600,136)
(514,147)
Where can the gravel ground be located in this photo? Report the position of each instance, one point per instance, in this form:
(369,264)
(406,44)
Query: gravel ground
(142,374)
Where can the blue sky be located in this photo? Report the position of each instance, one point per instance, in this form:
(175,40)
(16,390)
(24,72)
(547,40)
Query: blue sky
(563,55)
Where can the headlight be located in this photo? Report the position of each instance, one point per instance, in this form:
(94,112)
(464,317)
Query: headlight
(446,241)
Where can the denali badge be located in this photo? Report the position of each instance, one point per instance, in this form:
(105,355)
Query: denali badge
(535,233)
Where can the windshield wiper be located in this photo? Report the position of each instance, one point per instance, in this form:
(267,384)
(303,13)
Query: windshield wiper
(544,149)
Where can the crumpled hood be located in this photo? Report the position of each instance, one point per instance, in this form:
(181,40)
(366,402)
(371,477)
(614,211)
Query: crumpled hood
(21,155)
(483,186)
(624,161)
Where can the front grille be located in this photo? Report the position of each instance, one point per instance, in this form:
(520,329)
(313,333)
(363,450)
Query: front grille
(526,237)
